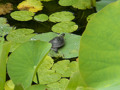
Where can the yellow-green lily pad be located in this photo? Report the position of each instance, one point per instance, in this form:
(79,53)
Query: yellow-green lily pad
(41,17)
(61,16)
(65,27)
(22,15)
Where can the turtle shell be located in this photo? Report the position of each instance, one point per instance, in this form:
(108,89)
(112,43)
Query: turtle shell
(57,42)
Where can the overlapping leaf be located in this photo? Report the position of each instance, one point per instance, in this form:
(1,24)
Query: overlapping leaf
(24,61)
(99,57)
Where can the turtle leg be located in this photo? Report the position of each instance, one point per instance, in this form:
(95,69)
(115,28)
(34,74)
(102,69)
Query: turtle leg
(55,49)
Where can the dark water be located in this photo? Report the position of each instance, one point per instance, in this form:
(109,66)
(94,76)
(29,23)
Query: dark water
(49,8)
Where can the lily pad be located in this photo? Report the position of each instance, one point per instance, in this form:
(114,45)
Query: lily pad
(22,15)
(65,27)
(48,76)
(84,4)
(24,61)
(45,74)
(67,2)
(69,50)
(19,36)
(37,87)
(30,5)
(61,16)
(4,27)
(41,17)
(60,85)
(65,67)
(102,3)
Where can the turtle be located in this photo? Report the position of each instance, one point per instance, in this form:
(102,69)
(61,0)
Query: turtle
(57,42)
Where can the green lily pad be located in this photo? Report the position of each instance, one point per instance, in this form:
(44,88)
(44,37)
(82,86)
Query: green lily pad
(65,27)
(61,16)
(69,50)
(19,36)
(41,17)
(46,64)
(61,66)
(65,68)
(45,74)
(101,4)
(22,15)
(48,76)
(37,87)
(84,4)
(60,85)
(99,57)
(24,61)
(67,2)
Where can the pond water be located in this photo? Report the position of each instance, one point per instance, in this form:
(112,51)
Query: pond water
(49,8)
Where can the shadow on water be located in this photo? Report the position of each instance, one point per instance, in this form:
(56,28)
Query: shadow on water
(49,8)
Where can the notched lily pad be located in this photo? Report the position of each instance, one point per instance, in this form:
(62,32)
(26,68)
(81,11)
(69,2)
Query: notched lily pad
(65,67)
(22,15)
(41,17)
(19,36)
(45,74)
(65,27)
(60,85)
(61,16)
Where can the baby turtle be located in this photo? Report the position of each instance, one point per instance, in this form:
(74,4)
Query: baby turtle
(57,42)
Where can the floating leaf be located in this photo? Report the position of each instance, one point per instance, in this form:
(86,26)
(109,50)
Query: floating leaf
(61,66)
(41,17)
(4,50)
(60,85)
(24,61)
(99,57)
(9,85)
(61,16)
(45,74)
(46,0)
(102,3)
(46,64)
(84,4)
(65,27)
(69,50)
(48,76)
(22,15)
(37,87)
(3,20)
(4,27)
(65,68)
(19,36)
(67,2)
(30,5)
